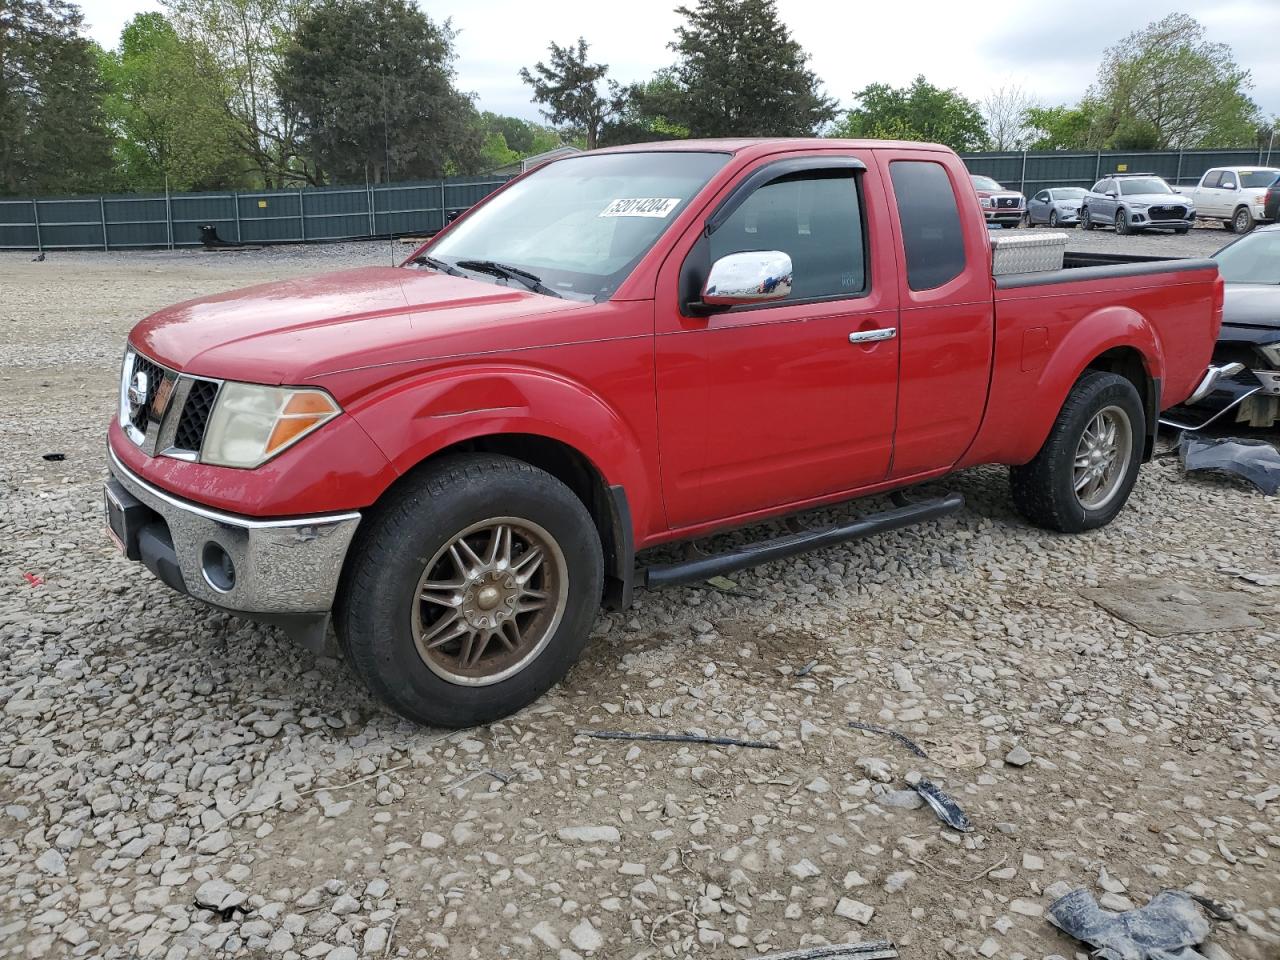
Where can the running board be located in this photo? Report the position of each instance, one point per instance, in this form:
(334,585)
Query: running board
(765,551)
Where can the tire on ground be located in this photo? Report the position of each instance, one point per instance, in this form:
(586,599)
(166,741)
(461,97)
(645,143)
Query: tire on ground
(1044,489)
(377,605)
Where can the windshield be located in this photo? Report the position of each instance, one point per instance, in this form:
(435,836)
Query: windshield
(1251,259)
(986,183)
(1068,193)
(1258,178)
(1140,185)
(580,225)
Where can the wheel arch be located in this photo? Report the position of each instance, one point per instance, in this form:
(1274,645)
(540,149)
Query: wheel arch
(1129,362)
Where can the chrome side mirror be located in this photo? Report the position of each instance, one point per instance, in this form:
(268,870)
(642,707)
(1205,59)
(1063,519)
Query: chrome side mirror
(754,276)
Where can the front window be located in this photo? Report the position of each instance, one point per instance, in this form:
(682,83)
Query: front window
(1141,185)
(1258,178)
(985,183)
(582,224)
(1070,193)
(1251,259)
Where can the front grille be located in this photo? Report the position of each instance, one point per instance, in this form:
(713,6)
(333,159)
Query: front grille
(195,415)
(155,375)
(1006,201)
(1167,213)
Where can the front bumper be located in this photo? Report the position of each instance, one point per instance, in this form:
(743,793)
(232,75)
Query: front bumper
(1141,220)
(279,571)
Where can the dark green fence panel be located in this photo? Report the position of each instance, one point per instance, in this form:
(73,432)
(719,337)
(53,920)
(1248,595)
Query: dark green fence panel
(267,216)
(1032,171)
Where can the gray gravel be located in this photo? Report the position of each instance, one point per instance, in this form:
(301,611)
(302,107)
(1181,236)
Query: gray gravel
(175,783)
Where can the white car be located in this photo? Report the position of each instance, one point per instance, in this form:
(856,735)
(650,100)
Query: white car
(1235,195)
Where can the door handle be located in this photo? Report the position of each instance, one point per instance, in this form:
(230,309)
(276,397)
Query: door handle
(873,336)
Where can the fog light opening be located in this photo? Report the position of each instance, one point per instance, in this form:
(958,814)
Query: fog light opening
(219,572)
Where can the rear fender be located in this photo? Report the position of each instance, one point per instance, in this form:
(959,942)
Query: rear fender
(1022,413)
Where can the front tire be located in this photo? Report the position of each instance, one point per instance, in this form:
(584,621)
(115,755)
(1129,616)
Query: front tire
(1086,469)
(1053,219)
(471,591)
(1242,221)
(1122,223)
(1086,221)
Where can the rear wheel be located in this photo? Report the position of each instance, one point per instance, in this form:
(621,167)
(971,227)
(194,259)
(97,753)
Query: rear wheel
(472,591)
(1242,221)
(1084,473)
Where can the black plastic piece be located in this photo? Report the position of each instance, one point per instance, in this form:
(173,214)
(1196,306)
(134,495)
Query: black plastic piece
(1167,928)
(126,516)
(155,547)
(620,554)
(1255,460)
(689,571)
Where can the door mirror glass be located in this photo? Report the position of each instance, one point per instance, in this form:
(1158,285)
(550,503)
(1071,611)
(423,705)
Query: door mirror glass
(754,276)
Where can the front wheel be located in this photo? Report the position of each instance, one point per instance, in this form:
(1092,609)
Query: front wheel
(1087,467)
(471,591)
(1122,223)
(1243,221)
(1053,218)
(1086,221)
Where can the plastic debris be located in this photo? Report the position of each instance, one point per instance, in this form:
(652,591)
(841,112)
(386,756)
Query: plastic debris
(503,778)
(806,669)
(871,950)
(1167,928)
(1255,460)
(943,805)
(886,732)
(677,738)
(54,457)
(32,579)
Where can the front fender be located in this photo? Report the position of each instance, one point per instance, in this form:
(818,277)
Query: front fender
(424,414)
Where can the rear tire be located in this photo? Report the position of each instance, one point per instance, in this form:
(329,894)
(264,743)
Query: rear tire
(1072,484)
(471,591)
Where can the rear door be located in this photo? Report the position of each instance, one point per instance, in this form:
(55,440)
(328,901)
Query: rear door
(946,309)
(771,404)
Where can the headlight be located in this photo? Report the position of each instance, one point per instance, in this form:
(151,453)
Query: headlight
(250,424)
(987,201)
(1133,205)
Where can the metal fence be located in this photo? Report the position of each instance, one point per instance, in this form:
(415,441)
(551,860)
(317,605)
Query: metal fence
(1034,170)
(115,222)
(345,213)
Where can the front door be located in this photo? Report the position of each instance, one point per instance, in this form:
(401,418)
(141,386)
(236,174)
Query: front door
(772,404)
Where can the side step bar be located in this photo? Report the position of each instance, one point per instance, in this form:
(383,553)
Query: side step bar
(765,551)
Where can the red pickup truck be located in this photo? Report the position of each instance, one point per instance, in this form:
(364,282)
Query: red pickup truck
(457,460)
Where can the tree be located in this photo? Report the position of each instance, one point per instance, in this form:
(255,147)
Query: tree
(1168,86)
(740,74)
(1004,111)
(246,39)
(642,111)
(53,135)
(918,112)
(569,86)
(371,84)
(167,102)
(521,136)
(1064,128)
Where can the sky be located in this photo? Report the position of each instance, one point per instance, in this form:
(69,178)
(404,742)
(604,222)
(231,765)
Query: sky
(1050,48)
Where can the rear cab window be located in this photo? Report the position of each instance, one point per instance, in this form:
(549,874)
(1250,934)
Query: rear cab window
(932,233)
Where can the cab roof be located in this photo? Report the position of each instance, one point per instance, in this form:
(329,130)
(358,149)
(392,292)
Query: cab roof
(749,146)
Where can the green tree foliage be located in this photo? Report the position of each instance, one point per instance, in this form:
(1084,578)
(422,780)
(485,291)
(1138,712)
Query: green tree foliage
(167,103)
(53,134)
(246,39)
(641,113)
(1167,86)
(1063,128)
(569,88)
(371,82)
(918,112)
(519,139)
(739,73)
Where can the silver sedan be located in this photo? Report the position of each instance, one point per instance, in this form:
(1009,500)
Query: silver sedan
(1057,206)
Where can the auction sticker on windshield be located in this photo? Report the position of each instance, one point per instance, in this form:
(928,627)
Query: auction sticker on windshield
(641,207)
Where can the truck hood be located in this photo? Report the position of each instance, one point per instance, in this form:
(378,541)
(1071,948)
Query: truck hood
(1252,305)
(293,331)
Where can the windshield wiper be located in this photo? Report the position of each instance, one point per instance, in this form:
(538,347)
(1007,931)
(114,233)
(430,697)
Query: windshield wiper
(492,267)
(436,264)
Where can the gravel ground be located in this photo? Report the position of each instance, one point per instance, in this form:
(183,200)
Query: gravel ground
(175,783)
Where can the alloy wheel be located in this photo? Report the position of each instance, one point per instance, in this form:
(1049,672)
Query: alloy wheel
(489,601)
(1102,458)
